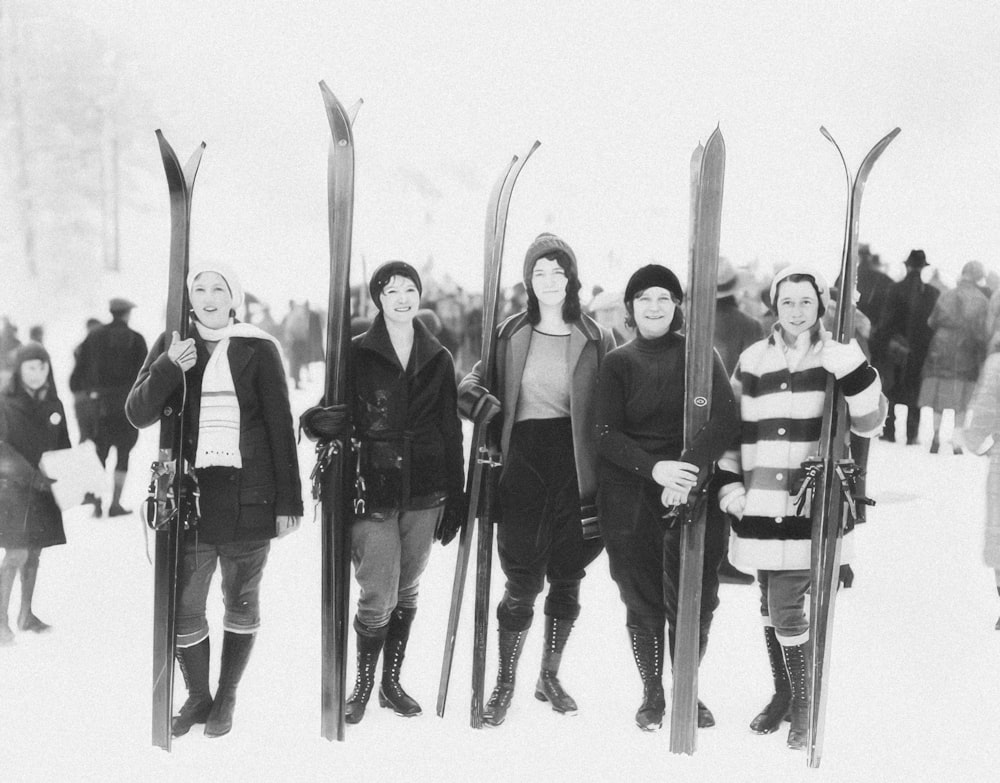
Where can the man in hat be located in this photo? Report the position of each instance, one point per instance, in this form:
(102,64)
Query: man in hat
(735,331)
(901,340)
(108,362)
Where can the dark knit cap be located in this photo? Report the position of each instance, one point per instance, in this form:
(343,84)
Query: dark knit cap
(916,259)
(549,246)
(385,273)
(653,276)
(29,352)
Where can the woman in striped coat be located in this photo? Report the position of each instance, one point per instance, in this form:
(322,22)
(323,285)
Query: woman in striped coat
(780,384)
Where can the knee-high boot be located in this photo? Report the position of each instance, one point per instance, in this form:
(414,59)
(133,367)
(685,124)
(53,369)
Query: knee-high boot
(6,587)
(390,692)
(797,661)
(370,642)
(548,688)
(511,644)
(769,719)
(26,619)
(236,649)
(194,665)
(647,649)
(705,717)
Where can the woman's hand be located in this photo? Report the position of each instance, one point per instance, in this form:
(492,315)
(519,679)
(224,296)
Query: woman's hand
(676,476)
(182,352)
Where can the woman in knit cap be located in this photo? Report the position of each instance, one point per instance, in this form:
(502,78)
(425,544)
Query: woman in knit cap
(644,470)
(780,384)
(229,378)
(547,360)
(32,421)
(410,484)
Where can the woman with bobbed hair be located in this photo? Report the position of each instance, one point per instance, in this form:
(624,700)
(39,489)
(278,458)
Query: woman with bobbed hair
(645,470)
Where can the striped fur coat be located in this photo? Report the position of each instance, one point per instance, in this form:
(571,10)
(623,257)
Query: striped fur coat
(781,391)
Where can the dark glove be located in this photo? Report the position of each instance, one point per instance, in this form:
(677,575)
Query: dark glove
(486,408)
(456,509)
(846,576)
(330,423)
(477,405)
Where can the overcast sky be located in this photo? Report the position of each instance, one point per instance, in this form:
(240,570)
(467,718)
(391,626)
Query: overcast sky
(619,96)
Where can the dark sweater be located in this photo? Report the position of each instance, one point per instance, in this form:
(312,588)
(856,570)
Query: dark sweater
(640,411)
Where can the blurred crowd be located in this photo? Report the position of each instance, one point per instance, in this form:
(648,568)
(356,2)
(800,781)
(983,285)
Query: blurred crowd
(928,339)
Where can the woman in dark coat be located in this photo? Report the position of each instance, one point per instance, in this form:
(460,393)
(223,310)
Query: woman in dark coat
(644,469)
(547,360)
(410,485)
(241,444)
(32,421)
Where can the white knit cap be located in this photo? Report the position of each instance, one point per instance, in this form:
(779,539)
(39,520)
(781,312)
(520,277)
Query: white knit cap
(222,270)
(802,269)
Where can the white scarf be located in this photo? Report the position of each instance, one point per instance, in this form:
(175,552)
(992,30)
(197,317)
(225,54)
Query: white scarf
(219,419)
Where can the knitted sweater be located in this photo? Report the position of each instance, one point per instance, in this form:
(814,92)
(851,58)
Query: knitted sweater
(782,413)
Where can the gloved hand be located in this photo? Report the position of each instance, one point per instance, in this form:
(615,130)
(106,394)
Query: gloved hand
(846,577)
(733,499)
(456,509)
(841,359)
(319,423)
(486,408)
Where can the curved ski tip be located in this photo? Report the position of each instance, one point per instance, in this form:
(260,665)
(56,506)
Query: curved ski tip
(352,113)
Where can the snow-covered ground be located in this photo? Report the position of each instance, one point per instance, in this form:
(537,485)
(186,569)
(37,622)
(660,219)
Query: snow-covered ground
(914,691)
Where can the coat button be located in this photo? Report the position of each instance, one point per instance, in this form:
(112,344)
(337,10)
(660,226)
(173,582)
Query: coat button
(779,476)
(779,520)
(168,411)
(784,385)
(781,430)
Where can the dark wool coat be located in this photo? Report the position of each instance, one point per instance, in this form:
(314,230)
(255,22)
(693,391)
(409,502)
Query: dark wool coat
(406,420)
(909,304)
(236,505)
(29,516)
(589,342)
(108,361)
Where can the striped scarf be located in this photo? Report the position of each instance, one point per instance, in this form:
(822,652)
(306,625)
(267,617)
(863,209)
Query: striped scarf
(219,418)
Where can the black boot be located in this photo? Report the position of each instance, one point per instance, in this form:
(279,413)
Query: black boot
(796,660)
(194,663)
(647,649)
(370,642)
(236,649)
(511,643)
(769,719)
(730,574)
(548,688)
(391,693)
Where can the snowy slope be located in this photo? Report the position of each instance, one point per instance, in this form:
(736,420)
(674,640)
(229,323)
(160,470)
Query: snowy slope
(914,691)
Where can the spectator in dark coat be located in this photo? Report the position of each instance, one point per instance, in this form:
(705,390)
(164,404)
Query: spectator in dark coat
(108,362)
(735,331)
(903,337)
(84,407)
(32,421)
